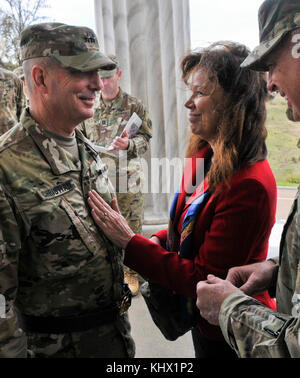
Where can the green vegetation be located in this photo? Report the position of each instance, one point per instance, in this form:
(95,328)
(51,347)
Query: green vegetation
(283,135)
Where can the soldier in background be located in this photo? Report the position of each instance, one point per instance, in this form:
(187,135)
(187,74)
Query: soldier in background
(12,99)
(251,329)
(57,269)
(111,115)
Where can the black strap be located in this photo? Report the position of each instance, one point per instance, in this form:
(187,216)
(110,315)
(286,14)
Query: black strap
(68,324)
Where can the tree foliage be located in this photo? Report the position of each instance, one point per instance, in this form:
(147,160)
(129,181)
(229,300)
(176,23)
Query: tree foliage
(16,15)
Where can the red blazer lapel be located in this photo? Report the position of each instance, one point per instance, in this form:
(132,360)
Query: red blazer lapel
(197,193)
(189,179)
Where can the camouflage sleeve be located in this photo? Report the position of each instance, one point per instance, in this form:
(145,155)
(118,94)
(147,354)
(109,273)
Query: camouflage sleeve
(254,330)
(139,144)
(12,339)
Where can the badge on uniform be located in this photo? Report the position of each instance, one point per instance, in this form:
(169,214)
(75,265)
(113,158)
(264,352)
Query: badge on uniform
(104,122)
(57,190)
(89,38)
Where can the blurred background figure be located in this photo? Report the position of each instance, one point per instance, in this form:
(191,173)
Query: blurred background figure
(12,99)
(106,129)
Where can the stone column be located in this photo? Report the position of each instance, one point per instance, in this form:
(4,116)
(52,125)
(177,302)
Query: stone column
(149,37)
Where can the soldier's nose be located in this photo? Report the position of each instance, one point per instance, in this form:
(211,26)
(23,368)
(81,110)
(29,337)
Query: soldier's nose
(96,82)
(99,82)
(270,85)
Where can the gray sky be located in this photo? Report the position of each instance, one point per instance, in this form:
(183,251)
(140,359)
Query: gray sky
(211,20)
(73,12)
(235,20)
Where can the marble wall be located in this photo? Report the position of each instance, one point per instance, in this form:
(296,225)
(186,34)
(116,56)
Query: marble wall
(150,37)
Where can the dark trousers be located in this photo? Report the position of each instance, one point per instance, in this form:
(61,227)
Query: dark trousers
(205,348)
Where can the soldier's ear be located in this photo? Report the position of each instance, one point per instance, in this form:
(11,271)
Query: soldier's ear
(38,76)
(119,73)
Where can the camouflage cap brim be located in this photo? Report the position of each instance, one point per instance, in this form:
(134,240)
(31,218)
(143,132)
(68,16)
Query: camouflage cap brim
(107,73)
(256,59)
(276,18)
(73,46)
(85,62)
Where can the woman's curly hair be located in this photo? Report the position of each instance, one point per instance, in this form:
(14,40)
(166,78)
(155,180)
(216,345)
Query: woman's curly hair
(241,131)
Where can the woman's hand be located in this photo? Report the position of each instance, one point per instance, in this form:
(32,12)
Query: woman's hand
(111,222)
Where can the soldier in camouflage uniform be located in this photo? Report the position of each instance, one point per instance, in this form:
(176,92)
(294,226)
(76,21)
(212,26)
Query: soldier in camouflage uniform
(57,269)
(12,100)
(251,329)
(113,110)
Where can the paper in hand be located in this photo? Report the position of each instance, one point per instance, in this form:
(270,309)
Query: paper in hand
(102,150)
(132,126)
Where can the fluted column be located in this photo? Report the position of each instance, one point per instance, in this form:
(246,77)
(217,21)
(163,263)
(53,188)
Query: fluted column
(108,26)
(149,38)
(122,42)
(181,21)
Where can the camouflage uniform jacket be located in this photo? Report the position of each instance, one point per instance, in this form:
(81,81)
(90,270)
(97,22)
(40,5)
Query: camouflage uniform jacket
(12,100)
(108,122)
(255,331)
(54,261)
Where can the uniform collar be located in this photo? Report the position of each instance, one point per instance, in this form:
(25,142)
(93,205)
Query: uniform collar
(57,157)
(114,102)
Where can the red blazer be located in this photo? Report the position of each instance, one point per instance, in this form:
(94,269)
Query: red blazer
(233,229)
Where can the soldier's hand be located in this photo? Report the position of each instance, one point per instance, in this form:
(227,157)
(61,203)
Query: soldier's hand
(252,279)
(210,296)
(120,143)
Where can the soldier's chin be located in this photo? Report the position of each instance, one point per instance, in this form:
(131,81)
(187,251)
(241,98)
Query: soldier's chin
(295,111)
(296,115)
(86,114)
(90,114)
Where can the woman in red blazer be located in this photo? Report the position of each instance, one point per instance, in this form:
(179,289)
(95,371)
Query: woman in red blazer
(226,220)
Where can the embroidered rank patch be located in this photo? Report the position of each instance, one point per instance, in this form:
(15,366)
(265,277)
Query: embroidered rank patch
(57,190)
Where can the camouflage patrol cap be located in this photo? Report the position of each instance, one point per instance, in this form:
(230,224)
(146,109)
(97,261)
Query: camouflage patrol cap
(276,19)
(73,46)
(104,73)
